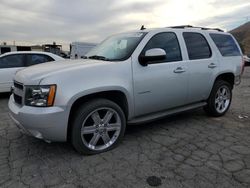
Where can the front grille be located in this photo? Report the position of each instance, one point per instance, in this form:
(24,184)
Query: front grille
(18,92)
(17,99)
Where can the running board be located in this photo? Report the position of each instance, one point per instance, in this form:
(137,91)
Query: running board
(158,115)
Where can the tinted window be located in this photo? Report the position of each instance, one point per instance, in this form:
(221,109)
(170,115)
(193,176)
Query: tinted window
(12,61)
(167,42)
(197,46)
(226,45)
(34,59)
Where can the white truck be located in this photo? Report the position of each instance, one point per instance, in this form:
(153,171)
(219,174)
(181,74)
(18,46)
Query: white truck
(79,49)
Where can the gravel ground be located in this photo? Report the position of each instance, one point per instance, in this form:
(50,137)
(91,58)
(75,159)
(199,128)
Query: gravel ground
(187,150)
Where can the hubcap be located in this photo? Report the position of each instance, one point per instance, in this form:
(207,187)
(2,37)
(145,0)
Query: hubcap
(101,128)
(222,99)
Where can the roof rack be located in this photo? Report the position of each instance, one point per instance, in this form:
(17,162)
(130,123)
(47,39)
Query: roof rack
(190,26)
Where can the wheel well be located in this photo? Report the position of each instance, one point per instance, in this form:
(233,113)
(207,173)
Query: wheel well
(117,97)
(228,77)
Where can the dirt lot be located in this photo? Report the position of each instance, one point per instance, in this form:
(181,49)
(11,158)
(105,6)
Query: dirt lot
(186,150)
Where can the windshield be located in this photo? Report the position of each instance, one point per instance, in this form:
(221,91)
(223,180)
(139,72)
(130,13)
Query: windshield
(116,48)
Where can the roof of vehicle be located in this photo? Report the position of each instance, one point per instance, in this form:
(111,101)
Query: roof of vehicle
(56,57)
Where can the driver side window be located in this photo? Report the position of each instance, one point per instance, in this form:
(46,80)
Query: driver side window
(169,43)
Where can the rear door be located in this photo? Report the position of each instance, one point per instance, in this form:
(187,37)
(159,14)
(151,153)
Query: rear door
(9,65)
(202,64)
(161,84)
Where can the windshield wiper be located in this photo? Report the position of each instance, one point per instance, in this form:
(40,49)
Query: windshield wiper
(98,57)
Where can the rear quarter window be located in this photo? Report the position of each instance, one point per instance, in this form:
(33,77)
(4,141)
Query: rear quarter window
(226,45)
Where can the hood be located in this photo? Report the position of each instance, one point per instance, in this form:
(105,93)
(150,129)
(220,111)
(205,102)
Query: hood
(34,74)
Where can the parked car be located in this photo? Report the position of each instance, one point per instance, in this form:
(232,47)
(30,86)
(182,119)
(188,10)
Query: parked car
(11,62)
(247,60)
(130,78)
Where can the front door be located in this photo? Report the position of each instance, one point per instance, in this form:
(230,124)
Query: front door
(162,84)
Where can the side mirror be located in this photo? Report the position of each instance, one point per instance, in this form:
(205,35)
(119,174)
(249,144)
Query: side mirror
(155,54)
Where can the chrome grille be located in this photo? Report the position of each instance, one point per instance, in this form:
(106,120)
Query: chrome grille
(18,93)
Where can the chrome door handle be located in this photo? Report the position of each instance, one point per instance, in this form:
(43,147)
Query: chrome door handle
(212,65)
(179,70)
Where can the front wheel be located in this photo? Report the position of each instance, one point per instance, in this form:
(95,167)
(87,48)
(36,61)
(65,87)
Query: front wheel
(220,99)
(98,126)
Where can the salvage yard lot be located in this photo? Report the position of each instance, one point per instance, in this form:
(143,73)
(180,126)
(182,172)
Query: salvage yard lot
(185,150)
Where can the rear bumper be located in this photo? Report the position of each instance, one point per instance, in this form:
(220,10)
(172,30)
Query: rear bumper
(49,124)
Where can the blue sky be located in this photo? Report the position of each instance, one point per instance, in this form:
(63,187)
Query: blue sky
(64,21)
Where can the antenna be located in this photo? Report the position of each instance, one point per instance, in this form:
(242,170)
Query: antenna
(142,27)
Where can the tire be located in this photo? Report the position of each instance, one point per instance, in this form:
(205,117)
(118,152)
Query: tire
(219,103)
(98,126)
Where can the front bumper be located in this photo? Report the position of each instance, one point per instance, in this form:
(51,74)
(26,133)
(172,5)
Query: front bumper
(48,123)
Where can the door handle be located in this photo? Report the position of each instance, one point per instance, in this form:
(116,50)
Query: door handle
(212,65)
(179,70)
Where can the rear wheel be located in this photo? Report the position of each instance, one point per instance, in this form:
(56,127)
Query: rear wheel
(98,126)
(220,99)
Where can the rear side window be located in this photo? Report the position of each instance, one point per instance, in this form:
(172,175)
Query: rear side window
(167,41)
(226,45)
(34,59)
(12,61)
(197,46)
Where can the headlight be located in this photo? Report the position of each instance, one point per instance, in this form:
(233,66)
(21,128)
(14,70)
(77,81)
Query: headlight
(40,96)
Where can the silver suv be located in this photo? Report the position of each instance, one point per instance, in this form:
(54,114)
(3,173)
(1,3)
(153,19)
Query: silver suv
(129,78)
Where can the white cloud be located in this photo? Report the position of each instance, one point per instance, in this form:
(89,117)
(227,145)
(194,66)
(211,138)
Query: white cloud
(64,21)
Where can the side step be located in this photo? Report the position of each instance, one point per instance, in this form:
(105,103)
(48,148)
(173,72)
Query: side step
(158,115)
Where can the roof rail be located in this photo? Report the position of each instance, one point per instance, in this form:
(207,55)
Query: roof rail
(190,26)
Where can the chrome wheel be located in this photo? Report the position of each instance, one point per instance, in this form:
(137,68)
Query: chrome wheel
(101,128)
(222,99)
